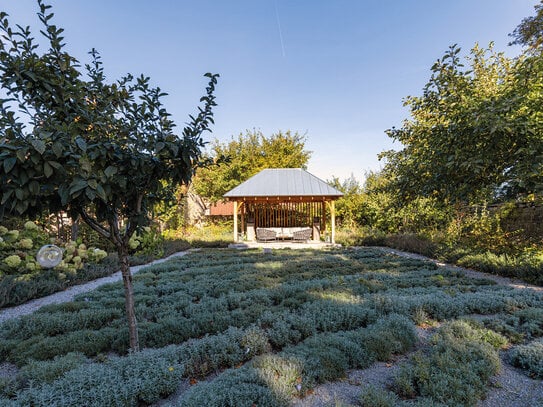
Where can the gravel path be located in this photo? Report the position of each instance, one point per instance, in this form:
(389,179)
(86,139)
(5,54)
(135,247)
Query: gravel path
(512,388)
(69,294)
(347,391)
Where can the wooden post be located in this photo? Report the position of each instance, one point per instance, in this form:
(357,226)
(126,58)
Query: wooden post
(323,209)
(333,220)
(235,221)
(242,217)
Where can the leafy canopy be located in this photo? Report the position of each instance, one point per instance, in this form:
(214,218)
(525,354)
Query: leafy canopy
(247,155)
(475,133)
(530,31)
(71,140)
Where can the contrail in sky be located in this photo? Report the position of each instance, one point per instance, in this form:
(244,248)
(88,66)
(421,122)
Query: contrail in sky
(279,26)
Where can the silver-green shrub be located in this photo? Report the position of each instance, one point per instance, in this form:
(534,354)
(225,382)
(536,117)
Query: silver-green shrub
(48,371)
(372,396)
(454,371)
(529,357)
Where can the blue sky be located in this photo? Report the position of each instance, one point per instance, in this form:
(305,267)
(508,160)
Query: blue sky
(335,70)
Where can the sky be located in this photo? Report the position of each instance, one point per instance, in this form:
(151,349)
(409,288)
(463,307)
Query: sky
(336,71)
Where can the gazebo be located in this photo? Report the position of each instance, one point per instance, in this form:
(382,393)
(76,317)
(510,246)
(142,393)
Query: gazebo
(284,201)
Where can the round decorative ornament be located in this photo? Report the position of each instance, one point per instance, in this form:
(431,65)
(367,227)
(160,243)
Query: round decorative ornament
(49,256)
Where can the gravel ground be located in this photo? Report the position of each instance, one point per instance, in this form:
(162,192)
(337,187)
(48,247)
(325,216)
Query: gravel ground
(347,391)
(69,294)
(512,388)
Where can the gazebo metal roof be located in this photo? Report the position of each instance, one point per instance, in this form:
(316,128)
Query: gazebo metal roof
(283,182)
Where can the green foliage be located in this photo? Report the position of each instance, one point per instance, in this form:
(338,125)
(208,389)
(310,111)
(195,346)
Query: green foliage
(48,371)
(529,357)
(349,207)
(392,335)
(15,290)
(470,331)
(241,387)
(520,325)
(214,234)
(21,276)
(70,140)
(246,156)
(528,268)
(148,374)
(172,245)
(474,133)
(469,244)
(299,368)
(479,229)
(18,288)
(528,32)
(373,206)
(149,242)
(376,397)
(19,248)
(119,382)
(454,371)
(529,321)
(95,147)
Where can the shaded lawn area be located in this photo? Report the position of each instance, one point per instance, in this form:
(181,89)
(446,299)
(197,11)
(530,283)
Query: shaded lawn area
(269,328)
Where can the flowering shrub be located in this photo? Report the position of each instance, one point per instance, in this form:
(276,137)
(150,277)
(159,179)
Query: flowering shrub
(13,261)
(22,277)
(19,248)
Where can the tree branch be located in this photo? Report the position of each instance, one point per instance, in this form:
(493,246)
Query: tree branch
(115,232)
(95,225)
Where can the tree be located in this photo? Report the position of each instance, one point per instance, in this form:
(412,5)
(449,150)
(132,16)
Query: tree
(475,133)
(246,156)
(349,206)
(530,31)
(103,151)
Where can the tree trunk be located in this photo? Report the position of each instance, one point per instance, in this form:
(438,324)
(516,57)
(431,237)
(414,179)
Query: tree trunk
(75,228)
(122,250)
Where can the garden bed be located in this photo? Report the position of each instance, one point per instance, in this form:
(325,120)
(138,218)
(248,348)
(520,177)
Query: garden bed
(19,288)
(268,328)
